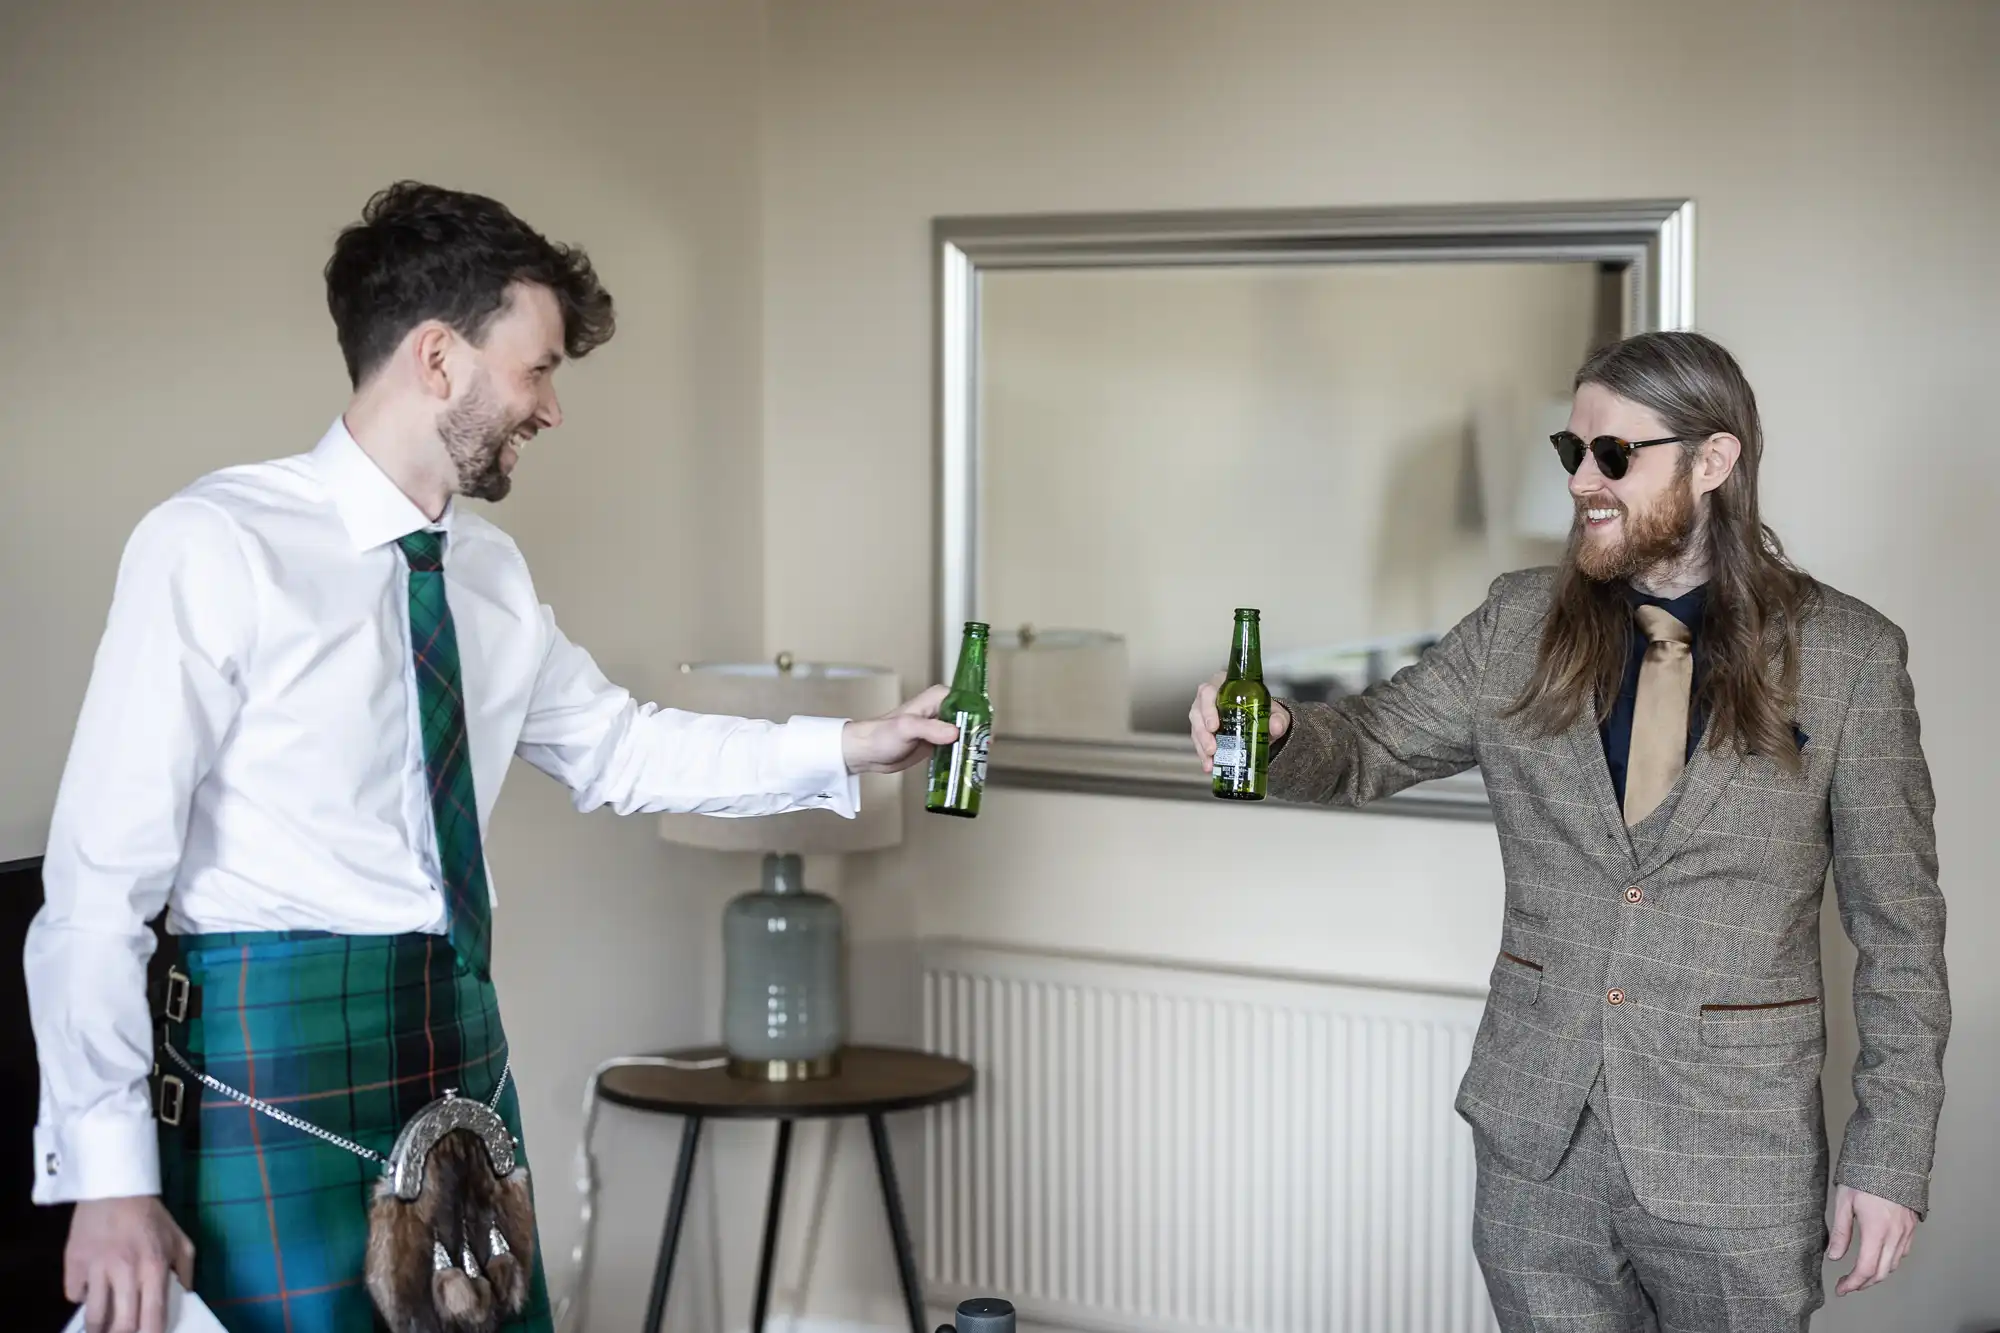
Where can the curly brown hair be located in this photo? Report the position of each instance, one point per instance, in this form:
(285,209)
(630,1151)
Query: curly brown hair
(424,252)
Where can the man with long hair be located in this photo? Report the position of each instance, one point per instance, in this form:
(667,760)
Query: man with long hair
(315,673)
(1678,731)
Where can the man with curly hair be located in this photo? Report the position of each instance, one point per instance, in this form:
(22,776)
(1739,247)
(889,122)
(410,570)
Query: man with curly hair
(314,676)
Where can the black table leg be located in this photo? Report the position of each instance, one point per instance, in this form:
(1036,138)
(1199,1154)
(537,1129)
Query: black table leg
(773,1209)
(663,1272)
(899,1229)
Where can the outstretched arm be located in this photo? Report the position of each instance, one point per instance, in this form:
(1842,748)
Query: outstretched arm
(610,749)
(1414,727)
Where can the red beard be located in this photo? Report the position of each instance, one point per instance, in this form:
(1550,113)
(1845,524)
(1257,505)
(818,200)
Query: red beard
(1652,536)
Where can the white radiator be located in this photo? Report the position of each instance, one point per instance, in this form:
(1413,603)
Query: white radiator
(1161,1148)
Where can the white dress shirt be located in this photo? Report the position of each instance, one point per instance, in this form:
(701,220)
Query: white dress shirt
(248,755)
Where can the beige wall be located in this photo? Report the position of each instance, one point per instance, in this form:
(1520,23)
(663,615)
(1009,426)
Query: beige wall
(1842,157)
(174,175)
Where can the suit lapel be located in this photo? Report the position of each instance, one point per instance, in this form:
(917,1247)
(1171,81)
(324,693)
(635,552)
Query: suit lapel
(1588,747)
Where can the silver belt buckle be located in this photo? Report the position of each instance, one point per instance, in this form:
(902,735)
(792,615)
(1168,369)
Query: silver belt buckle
(178,989)
(173,1094)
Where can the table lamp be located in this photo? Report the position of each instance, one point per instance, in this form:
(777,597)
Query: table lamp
(784,1011)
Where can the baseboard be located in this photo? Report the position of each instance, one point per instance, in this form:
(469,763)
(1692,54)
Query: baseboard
(936,1319)
(825,1324)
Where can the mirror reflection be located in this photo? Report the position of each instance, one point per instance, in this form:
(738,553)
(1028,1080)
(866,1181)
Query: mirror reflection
(1356,449)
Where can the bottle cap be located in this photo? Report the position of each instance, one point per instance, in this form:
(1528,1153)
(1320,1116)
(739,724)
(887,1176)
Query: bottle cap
(985,1314)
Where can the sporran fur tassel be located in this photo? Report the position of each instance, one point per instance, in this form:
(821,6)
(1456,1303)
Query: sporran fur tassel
(464,1209)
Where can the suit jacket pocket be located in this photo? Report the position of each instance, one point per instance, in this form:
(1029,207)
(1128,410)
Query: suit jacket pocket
(1762,1024)
(1515,978)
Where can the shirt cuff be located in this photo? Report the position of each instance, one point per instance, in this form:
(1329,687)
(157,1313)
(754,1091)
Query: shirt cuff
(111,1153)
(813,766)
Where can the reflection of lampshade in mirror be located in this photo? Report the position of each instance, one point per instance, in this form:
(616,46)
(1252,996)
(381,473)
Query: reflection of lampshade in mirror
(1542,506)
(1522,487)
(1060,683)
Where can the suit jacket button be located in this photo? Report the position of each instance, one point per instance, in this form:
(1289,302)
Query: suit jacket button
(1632,895)
(1615,996)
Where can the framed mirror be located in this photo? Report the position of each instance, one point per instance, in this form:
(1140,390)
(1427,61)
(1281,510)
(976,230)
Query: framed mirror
(1339,417)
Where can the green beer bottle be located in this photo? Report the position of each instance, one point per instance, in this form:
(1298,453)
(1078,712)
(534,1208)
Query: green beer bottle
(958,770)
(1243,717)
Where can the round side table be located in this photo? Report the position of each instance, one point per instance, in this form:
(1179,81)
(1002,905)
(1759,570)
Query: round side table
(873,1082)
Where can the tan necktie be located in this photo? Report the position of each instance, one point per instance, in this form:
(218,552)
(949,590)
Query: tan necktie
(1659,715)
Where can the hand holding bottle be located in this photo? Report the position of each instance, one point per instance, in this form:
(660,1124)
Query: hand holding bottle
(958,771)
(1204,720)
(897,740)
(1236,751)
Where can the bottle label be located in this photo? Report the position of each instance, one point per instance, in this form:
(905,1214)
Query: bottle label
(1242,747)
(982,740)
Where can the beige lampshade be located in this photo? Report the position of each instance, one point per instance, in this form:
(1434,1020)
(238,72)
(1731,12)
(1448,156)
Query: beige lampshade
(775,692)
(1069,684)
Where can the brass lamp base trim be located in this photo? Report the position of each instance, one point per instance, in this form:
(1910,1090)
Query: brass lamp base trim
(785,1071)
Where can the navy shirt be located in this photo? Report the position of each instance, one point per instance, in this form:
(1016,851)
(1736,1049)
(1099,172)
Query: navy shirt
(1617,726)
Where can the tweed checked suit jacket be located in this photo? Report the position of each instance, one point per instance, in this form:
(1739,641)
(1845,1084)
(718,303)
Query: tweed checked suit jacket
(1681,958)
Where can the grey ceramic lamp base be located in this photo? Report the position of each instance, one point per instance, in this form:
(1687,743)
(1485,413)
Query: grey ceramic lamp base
(783,1017)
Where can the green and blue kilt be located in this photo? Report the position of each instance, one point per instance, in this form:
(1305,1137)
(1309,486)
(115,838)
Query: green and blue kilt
(354,1034)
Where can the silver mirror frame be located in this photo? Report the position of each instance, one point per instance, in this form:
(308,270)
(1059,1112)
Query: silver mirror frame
(1653,239)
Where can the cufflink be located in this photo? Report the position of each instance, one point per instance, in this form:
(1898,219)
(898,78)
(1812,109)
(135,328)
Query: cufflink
(52,1163)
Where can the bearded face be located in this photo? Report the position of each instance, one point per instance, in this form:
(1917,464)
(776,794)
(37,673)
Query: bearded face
(1620,537)
(1644,519)
(508,395)
(483,440)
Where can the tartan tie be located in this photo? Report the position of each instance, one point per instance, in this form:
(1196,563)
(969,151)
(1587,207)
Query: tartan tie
(1659,714)
(441,707)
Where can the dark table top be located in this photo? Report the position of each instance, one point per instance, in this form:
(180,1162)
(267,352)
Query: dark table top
(872,1080)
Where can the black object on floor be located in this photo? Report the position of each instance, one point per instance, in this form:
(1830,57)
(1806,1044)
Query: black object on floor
(982,1314)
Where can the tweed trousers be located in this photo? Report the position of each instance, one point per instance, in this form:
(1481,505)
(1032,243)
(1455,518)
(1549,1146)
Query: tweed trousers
(1578,1253)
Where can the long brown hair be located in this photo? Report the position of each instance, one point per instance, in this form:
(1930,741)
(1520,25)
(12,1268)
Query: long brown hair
(1749,635)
